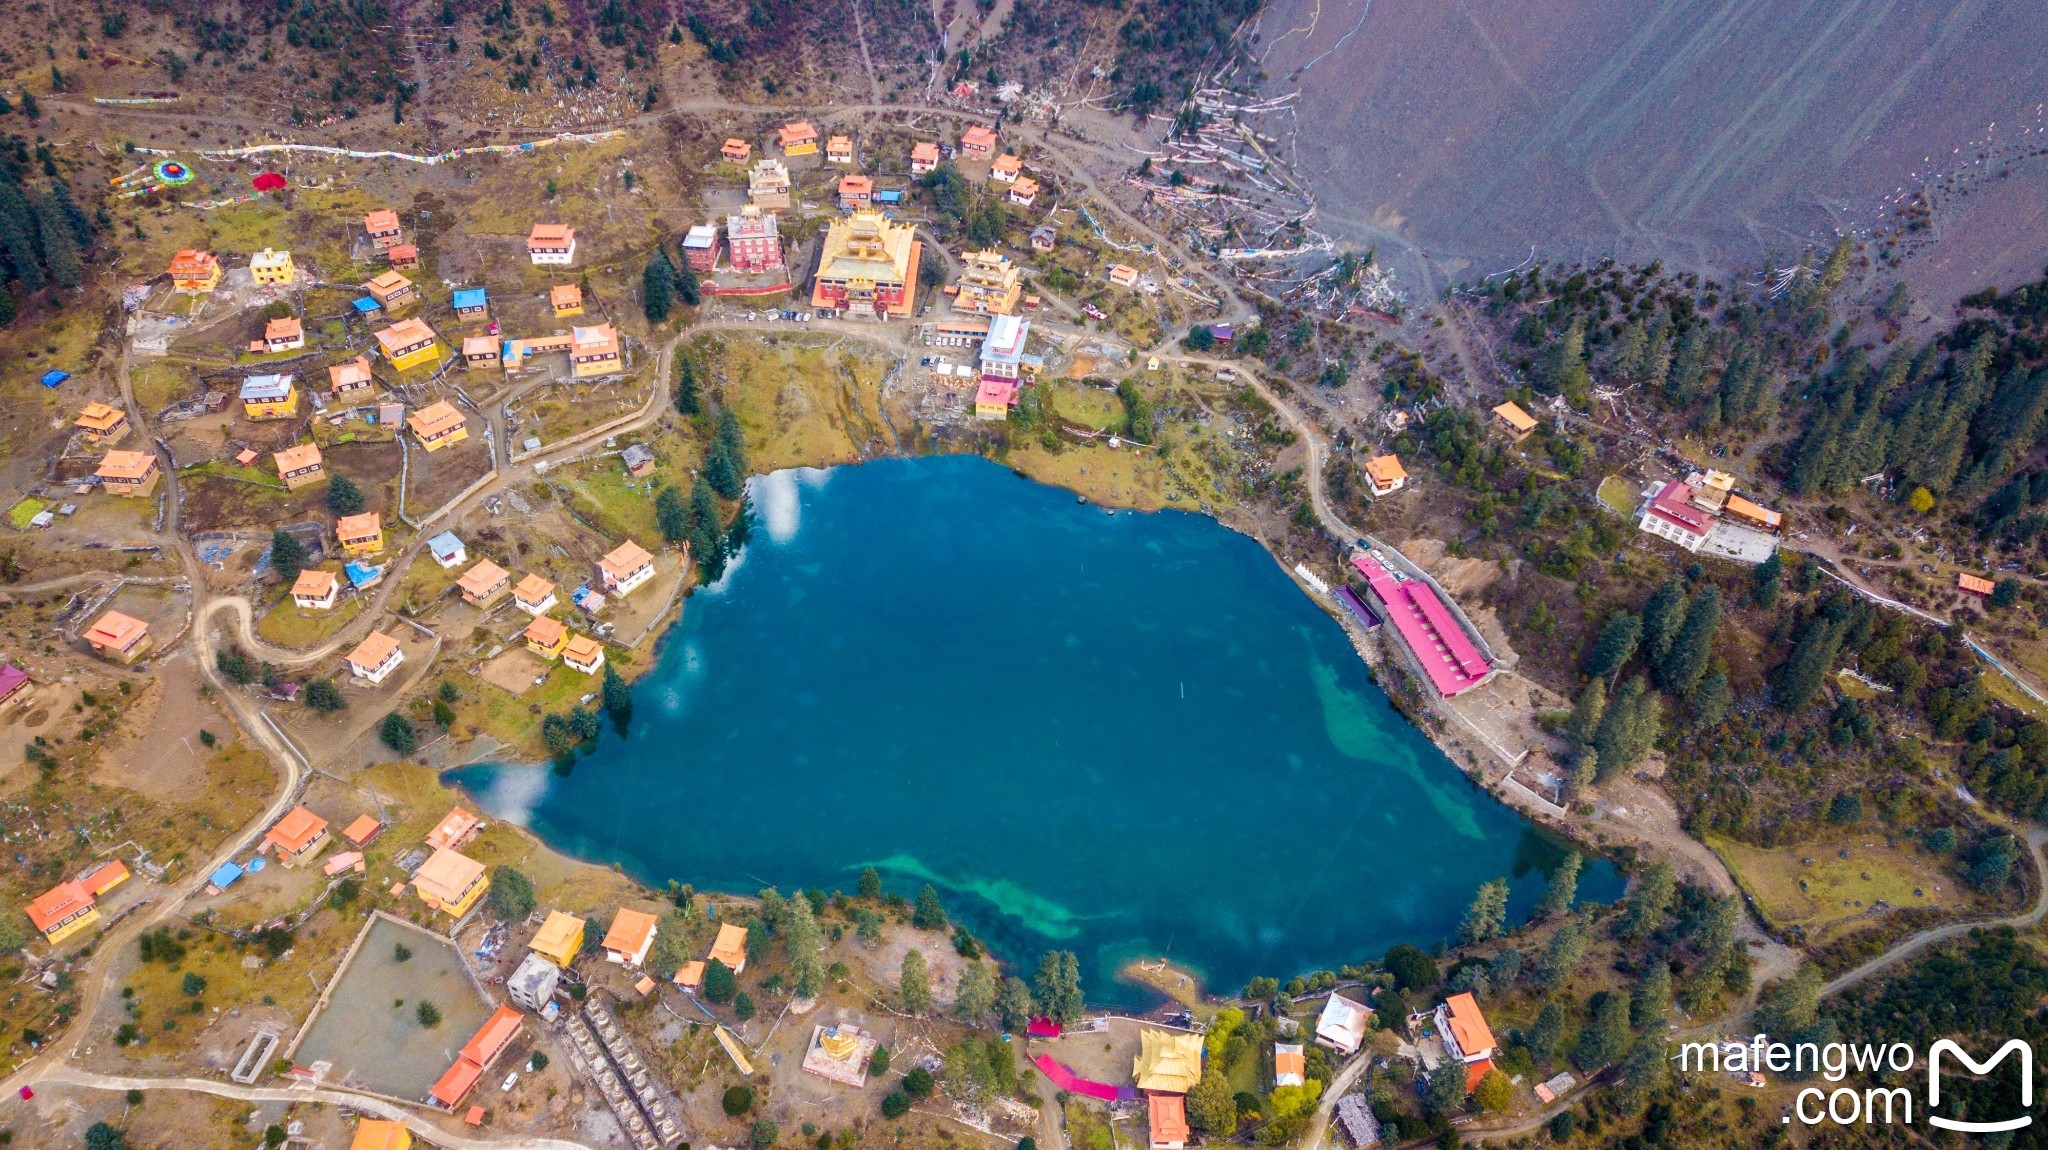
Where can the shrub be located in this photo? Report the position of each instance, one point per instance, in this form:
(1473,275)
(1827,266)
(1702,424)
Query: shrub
(919,1083)
(738,1100)
(762,1134)
(895,1104)
(428,1014)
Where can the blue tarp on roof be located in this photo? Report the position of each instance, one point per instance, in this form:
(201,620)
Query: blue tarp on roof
(889,197)
(53,378)
(361,575)
(366,305)
(469,298)
(224,877)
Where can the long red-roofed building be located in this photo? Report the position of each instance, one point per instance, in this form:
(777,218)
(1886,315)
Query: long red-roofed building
(1432,634)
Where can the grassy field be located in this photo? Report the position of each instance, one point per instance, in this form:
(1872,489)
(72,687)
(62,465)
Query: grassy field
(1813,887)
(287,626)
(619,506)
(2006,691)
(1618,494)
(802,404)
(514,720)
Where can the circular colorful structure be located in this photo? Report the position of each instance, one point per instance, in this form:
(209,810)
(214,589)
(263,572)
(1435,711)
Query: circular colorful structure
(172,172)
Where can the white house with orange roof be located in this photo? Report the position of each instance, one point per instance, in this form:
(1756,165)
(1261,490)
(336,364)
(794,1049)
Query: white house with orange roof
(1006,168)
(298,836)
(122,638)
(375,658)
(1024,192)
(583,653)
(924,156)
(314,590)
(1290,1064)
(625,568)
(630,938)
(1465,1035)
(839,150)
(551,244)
(1385,475)
(533,594)
(285,333)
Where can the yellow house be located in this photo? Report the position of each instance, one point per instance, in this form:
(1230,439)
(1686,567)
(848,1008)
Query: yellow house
(194,271)
(438,425)
(408,344)
(450,882)
(560,938)
(546,636)
(566,299)
(270,397)
(62,911)
(360,534)
(271,266)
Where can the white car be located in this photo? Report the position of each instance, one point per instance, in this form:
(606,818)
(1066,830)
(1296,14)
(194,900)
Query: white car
(511,1080)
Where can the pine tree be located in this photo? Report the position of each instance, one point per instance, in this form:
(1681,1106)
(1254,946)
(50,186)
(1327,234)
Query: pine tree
(1615,646)
(1766,577)
(722,471)
(618,696)
(1563,888)
(1057,986)
(1605,1038)
(1682,666)
(915,983)
(687,288)
(343,496)
(1565,366)
(1628,351)
(1015,1006)
(687,401)
(1663,617)
(1710,701)
(975,997)
(17,237)
(658,287)
(287,555)
(928,914)
(707,550)
(1647,904)
(1562,957)
(1587,711)
(671,514)
(1628,729)
(1801,676)
(1690,368)
(60,245)
(1650,1004)
(1487,914)
(1644,1070)
(802,940)
(1543,1035)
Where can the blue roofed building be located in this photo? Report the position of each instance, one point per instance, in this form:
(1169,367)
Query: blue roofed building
(471,304)
(362,575)
(447,550)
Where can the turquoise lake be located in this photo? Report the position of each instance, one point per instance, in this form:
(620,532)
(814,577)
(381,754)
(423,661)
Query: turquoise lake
(1123,735)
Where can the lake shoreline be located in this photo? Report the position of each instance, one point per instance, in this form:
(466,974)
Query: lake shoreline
(1126,972)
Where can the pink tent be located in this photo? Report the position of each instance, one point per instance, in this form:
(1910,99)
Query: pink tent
(1044,1028)
(1068,1081)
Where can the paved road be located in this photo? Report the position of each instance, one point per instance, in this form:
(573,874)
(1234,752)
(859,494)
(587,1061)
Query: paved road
(1312,1138)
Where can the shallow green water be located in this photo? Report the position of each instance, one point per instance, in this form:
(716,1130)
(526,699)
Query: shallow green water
(1118,734)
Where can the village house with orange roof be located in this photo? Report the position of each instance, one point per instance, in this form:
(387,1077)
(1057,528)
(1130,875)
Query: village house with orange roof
(551,245)
(285,333)
(408,344)
(375,658)
(1123,275)
(104,877)
(978,142)
(1974,584)
(625,568)
(631,936)
(534,594)
(856,191)
(924,156)
(438,425)
(122,638)
(382,227)
(102,424)
(736,150)
(297,837)
(729,947)
(404,257)
(1006,168)
(594,350)
(1024,192)
(194,271)
(583,653)
(1466,1037)
(298,466)
(484,584)
(1385,475)
(360,534)
(479,351)
(798,138)
(1518,423)
(62,911)
(128,473)
(1166,1121)
(454,829)
(566,299)
(314,590)
(381,1134)
(349,377)
(839,150)
(364,829)
(450,882)
(391,290)
(546,636)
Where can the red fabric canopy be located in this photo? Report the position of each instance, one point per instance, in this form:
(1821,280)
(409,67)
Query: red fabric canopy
(268,182)
(1068,1081)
